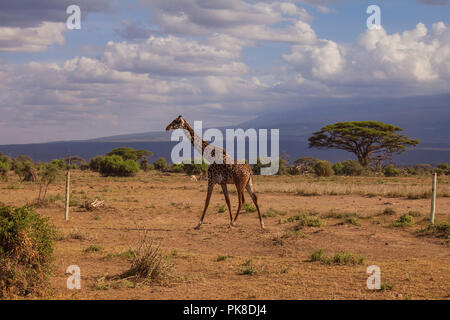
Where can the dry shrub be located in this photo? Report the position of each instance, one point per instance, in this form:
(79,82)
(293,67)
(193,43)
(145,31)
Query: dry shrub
(405,220)
(77,234)
(26,251)
(305,220)
(149,265)
(339,258)
(439,230)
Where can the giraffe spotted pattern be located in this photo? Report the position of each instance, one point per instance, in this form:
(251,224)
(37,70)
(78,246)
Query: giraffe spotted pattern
(228,171)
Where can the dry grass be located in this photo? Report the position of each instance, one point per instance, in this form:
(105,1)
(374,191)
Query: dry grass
(201,269)
(411,188)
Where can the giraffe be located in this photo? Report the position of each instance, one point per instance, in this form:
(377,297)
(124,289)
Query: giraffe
(227,172)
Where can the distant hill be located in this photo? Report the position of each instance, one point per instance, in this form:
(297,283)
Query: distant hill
(426,118)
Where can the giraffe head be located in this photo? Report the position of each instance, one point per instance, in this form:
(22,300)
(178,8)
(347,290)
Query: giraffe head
(178,123)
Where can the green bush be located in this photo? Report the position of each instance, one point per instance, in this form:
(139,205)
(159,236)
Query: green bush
(305,220)
(323,169)
(19,159)
(144,165)
(176,167)
(391,171)
(116,166)
(339,258)
(338,168)
(248,207)
(4,158)
(130,154)
(283,168)
(5,166)
(4,169)
(75,162)
(306,161)
(404,220)
(160,164)
(293,170)
(94,163)
(84,166)
(440,230)
(196,168)
(412,171)
(423,168)
(259,164)
(25,169)
(443,168)
(59,163)
(26,251)
(352,168)
(47,174)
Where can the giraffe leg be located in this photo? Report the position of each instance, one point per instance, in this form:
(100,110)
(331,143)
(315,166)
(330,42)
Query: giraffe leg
(251,191)
(240,190)
(227,199)
(208,197)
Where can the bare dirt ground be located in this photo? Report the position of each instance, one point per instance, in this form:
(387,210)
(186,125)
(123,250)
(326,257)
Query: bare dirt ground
(169,206)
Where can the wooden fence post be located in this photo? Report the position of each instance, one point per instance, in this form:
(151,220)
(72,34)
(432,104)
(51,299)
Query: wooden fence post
(66,215)
(433,198)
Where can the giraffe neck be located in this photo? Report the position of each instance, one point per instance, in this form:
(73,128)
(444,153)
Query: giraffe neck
(200,145)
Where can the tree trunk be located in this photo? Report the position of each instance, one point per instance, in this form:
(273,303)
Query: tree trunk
(364,160)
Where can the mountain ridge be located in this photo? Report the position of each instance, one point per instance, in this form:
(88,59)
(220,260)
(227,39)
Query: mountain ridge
(422,117)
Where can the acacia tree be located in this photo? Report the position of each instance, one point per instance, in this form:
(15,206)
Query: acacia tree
(368,140)
(130,154)
(48,172)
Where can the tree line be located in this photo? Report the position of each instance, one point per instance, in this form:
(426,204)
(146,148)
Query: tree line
(373,143)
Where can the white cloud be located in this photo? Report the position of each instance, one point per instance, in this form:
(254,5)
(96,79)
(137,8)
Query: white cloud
(33,39)
(134,82)
(244,20)
(414,56)
(173,56)
(321,60)
(201,68)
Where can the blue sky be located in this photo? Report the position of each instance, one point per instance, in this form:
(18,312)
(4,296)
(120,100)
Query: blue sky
(344,23)
(136,64)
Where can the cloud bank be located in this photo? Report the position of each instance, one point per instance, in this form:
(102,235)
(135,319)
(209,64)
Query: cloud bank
(194,64)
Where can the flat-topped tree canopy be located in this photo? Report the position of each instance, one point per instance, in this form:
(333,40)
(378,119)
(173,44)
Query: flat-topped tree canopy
(74,159)
(368,140)
(130,154)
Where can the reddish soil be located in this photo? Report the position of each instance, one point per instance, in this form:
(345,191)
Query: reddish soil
(169,206)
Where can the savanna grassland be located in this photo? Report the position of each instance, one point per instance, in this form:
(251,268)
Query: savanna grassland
(322,234)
